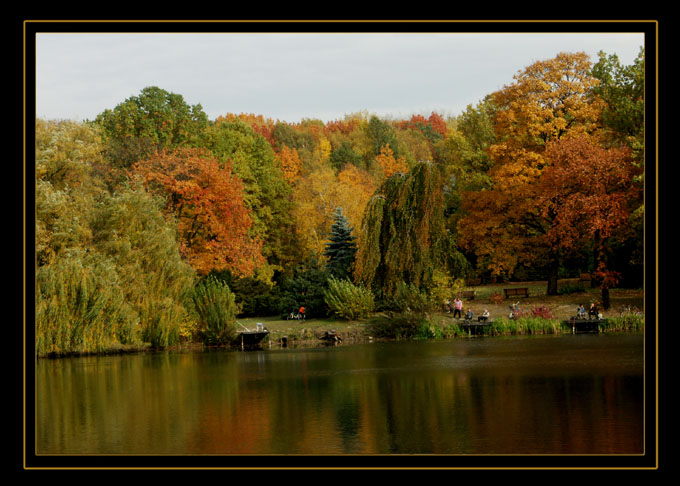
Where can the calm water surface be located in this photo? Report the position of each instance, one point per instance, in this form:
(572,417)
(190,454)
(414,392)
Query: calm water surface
(576,394)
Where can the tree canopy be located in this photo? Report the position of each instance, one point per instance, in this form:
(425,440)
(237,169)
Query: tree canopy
(543,177)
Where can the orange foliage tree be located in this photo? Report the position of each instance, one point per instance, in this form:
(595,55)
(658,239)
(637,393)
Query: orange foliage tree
(506,225)
(206,199)
(588,192)
(389,164)
(434,122)
(290,163)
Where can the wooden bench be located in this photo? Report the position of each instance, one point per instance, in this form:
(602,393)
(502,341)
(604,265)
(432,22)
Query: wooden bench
(516,292)
(473,282)
(468,294)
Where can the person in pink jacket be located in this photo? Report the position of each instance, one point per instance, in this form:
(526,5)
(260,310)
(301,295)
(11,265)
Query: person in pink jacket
(457,308)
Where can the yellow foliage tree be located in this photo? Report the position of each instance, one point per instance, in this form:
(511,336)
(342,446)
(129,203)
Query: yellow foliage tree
(314,197)
(356,186)
(319,194)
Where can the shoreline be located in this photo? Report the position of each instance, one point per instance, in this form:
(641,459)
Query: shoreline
(313,339)
(309,332)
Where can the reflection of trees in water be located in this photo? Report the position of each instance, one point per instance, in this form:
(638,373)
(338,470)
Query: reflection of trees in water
(478,396)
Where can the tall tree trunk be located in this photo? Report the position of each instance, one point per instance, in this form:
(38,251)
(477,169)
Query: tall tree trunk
(553,271)
(601,262)
(605,298)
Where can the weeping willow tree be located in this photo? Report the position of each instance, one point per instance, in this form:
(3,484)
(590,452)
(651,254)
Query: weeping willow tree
(80,306)
(403,233)
(108,268)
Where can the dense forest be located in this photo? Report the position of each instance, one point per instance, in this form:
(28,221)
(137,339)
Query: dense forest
(157,225)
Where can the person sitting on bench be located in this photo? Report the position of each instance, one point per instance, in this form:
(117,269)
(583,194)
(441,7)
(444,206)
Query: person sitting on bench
(485,316)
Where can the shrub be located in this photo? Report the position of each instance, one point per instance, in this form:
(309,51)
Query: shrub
(398,326)
(348,301)
(407,310)
(443,286)
(543,312)
(216,308)
(409,300)
(496,298)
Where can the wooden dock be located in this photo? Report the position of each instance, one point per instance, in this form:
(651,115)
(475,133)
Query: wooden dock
(584,325)
(474,327)
(249,339)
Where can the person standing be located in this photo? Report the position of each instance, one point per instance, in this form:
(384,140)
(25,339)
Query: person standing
(457,308)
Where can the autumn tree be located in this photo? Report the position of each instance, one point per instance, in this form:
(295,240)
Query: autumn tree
(303,137)
(587,193)
(388,163)
(316,197)
(314,200)
(505,225)
(355,188)
(206,198)
(415,146)
(266,193)
(290,163)
(152,121)
(433,128)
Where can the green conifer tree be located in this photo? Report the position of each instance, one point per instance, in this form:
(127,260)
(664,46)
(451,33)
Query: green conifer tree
(341,248)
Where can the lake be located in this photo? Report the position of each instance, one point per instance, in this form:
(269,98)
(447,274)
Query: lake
(557,394)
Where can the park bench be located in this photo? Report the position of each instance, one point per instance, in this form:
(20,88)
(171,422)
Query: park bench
(468,294)
(516,292)
(474,281)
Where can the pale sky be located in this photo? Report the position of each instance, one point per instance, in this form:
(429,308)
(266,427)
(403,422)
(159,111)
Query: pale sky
(291,76)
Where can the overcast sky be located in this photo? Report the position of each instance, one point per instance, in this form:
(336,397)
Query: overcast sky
(289,77)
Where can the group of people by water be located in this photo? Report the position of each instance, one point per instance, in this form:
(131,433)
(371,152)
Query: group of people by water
(457,309)
(593,312)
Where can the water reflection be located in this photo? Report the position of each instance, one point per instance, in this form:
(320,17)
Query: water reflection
(548,395)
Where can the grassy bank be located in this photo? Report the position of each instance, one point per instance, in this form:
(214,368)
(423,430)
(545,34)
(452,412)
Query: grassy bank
(440,325)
